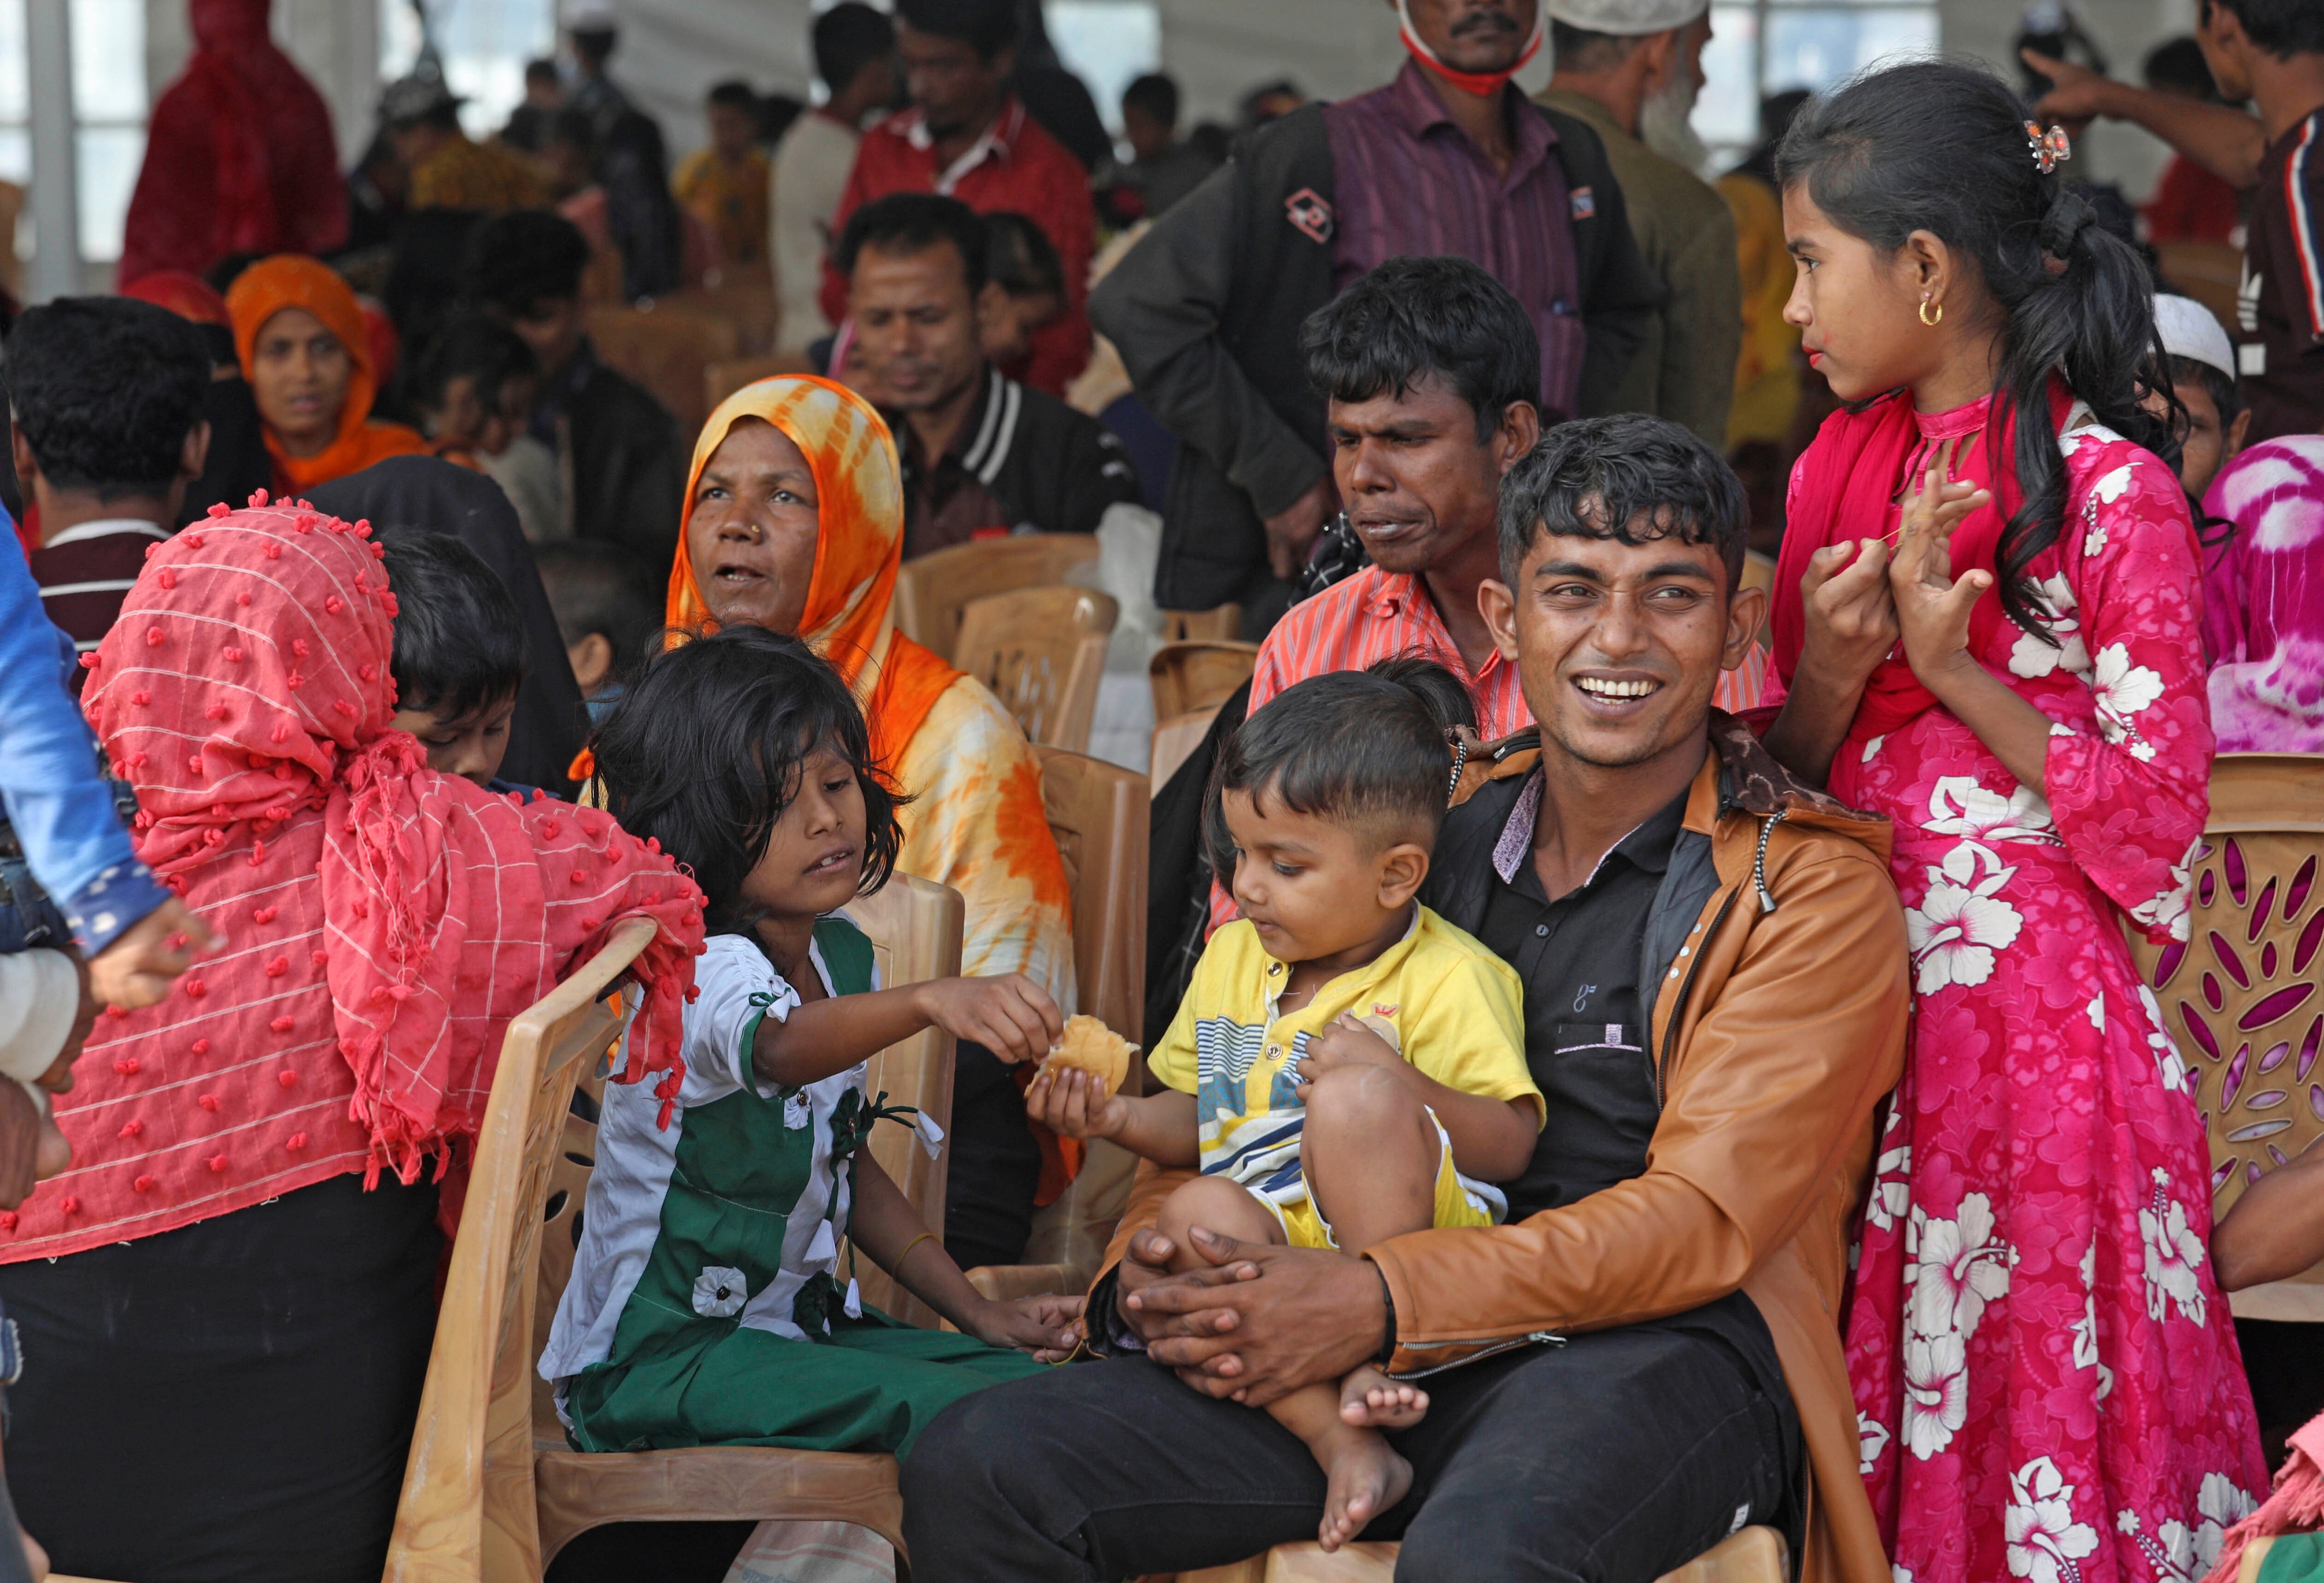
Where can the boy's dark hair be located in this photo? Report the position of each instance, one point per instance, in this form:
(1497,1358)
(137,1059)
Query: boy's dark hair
(1019,255)
(105,390)
(848,35)
(596,587)
(986,26)
(914,222)
(517,262)
(541,70)
(735,95)
(1369,748)
(1154,95)
(2225,394)
(2283,28)
(459,644)
(594,44)
(1412,317)
(1626,477)
(475,345)
(2179,64)
(704,753)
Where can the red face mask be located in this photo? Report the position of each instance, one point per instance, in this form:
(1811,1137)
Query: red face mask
(1481,83)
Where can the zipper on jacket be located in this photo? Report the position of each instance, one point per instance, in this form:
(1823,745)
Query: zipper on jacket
(1759,860)
(1532,1338)
(1678,1006)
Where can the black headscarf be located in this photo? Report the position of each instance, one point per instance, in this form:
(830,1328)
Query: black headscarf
(424,494)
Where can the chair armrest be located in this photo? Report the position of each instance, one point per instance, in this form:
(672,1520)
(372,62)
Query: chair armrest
(1007,1282)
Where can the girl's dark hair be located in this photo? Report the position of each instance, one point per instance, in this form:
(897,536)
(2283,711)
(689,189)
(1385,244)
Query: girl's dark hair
(1942,147)
(705,750)
(1369,746)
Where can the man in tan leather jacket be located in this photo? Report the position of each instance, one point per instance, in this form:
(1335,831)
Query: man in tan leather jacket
(1647,1355)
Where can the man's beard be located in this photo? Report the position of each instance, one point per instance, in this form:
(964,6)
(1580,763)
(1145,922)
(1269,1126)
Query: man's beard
(1665,124)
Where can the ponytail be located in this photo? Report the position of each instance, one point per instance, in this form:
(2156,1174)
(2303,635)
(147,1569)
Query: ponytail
(1944,147)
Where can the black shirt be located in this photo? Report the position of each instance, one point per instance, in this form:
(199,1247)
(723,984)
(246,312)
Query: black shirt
(1022,460)
(2282,305)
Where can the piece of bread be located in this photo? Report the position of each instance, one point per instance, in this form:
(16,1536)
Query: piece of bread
(1090,1046)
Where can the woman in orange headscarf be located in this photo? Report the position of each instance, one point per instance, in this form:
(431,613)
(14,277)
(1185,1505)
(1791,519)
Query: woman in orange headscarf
(793,521)
(306,353)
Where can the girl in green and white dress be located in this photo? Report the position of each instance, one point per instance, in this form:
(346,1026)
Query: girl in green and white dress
(708,1305)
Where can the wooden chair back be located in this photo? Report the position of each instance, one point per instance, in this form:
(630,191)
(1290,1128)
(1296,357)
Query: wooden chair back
(1042,652)
(933,590)
(2209,272)
(915,927)
(1198,674)
(665,349)
(1175,742)
(745,298)
(2242,998)
(1223,622)
(1098,813)
(466,1510)
(721,380)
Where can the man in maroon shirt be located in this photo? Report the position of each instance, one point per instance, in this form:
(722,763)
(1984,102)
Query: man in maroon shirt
(2271,52)
(107,396)
(967,136)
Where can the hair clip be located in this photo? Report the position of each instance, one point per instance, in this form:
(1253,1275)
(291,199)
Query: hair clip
(1459,761)
(2051,149)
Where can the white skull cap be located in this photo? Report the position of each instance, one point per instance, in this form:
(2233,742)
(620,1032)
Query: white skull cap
(2190,330)
(1626,18)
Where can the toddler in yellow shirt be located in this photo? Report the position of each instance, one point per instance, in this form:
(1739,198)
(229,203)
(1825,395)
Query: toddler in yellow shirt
(1346,1066)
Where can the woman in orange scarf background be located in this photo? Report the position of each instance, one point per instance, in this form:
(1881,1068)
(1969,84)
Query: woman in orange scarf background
(306,352)
(793,521)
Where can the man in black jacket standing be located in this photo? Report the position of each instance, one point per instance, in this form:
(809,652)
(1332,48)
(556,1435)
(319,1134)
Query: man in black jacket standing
(1447,159)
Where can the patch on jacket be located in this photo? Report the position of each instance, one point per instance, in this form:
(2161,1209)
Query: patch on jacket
(1584,202)
(1309,214)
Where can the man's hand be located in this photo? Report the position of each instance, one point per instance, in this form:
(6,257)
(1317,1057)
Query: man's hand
(143,961)
(2076,94)
(32,1149)
(59,1077)
(1263,1321)
(1291,532)
(1011,1016)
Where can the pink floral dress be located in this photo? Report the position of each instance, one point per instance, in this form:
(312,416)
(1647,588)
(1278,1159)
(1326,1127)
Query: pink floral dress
(2047,1381)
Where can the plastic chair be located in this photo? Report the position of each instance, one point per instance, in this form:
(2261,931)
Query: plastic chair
(1097,811)
(932,589)
(2209,272)
(1175,742)
(1222,624)
(1753,1555)
(1042,652)
(721,380)
(666,349)
(2242,998)
(1198,674)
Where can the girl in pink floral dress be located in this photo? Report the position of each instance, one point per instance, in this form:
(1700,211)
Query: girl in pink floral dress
(1986,629)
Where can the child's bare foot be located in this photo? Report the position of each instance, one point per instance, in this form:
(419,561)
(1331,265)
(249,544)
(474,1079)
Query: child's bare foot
(1368,1399)
(1365,1479)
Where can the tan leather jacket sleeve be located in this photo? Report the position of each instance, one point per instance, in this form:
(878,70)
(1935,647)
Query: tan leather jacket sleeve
(1770,1098)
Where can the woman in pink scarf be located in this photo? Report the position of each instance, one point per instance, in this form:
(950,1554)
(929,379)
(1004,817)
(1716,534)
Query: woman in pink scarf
(231,1291)
(2263,599)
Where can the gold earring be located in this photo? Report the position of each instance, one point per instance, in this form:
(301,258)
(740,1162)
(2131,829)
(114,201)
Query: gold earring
(1928,319)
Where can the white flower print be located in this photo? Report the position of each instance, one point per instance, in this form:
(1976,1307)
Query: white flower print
(720,1292)
(2158,1040)
(1892,1178)
(1959,806)
(1872,747)
(2031,656)
(2096,1011)
(1871,1440)
(2113,486)
(2122,691)
(2174,1254)
(2094,537)
(2179,1554)
(1899,1573)
(1956,1267)
(2045,1540)
(1961,923)
(2169,911)
(2222,1504)
(2085,1328)
(1936,1392)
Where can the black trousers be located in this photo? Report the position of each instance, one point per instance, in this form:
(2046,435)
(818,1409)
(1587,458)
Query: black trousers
(1614,1458)
(996,1162)
(232,1401)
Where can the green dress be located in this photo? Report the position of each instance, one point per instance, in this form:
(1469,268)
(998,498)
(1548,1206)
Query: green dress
(706,1306)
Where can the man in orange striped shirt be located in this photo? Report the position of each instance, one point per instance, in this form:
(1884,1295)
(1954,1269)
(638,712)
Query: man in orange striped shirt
(1432,373)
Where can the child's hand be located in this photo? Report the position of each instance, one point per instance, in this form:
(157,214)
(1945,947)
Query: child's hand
(1347,1042)
(1011,1016)
(1049,1327)
(1072,1104)
(138,967)
(1849,616)
(1933,608)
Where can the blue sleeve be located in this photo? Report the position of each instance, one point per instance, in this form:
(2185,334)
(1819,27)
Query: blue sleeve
(60,807)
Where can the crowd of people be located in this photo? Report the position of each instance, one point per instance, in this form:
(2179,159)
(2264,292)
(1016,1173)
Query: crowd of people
(1642,1033)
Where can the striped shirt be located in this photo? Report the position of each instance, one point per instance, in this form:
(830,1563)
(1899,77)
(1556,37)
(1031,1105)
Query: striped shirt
(85,572)
(2282,352)
(1408,181)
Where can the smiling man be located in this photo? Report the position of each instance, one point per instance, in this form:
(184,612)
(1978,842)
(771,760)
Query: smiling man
(1642,1358)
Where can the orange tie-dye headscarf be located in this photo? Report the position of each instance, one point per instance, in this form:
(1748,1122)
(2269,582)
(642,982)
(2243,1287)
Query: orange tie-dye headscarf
(291,280)
(859,543)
